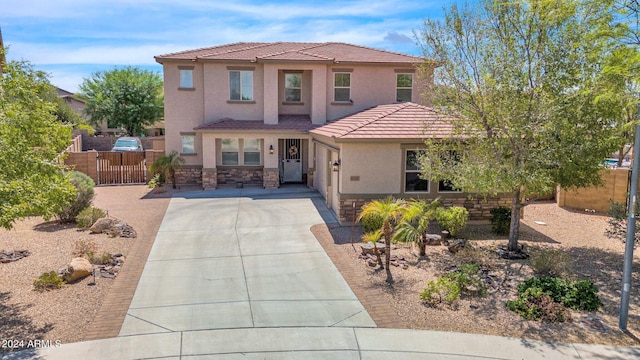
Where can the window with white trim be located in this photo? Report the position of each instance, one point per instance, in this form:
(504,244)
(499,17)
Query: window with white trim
(404,87)
(188,144)
(241,85)
(412,180)
(293,87)
(230,149)
(251,151)
(341,87)
(186,78)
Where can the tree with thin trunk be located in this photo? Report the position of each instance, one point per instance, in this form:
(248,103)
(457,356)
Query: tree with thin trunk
(414,225)
(168,165)
(517,81)
(390,211)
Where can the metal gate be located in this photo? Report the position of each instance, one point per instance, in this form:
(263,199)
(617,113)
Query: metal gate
(116,167)
(292,162)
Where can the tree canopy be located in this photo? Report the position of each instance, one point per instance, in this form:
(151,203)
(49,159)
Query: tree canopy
(126,97)
(32,181)
(520,78)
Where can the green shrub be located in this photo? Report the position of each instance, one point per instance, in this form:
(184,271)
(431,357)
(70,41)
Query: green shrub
(155,181)
(371,224)
(549,262)
(501,220)
(90,130)
(452,219)
(463,280)
(48,281)
(88,217)
(578,295)
(84,195)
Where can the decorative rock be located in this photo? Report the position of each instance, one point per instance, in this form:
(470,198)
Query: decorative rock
(367,249)
(77,269)
(11,256)
(101,225)
(457,245)
(433,239)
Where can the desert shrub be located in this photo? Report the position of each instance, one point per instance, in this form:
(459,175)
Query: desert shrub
(534,304)
(371,224)
(99,259)
(84,247)
(578,295)
(470,254)
(549,262)
(452,219)
(48,281)
(464,280)
(88,217)
(500,220)
(84,195)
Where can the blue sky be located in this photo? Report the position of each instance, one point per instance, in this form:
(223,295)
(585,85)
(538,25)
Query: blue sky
(70,39)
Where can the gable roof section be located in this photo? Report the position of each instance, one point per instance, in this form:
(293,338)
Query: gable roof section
(329,52)
(394,121)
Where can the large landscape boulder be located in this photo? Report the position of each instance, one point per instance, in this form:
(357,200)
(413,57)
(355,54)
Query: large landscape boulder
(101,225)
(77,269)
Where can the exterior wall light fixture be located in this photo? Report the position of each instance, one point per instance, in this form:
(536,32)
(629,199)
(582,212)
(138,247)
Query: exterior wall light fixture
(336,165)
(271,149)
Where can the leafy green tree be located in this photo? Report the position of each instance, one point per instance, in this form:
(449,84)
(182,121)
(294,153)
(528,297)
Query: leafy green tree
(126,97)
(390,210)
(32,181)
(167,165)
(516,79)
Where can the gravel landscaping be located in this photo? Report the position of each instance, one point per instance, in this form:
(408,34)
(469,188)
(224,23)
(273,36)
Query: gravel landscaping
(581,235)
(66,314)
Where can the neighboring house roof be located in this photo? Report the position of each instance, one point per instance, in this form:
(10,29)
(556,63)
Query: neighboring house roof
(68,95)
(393,121)
(300,123)
(329,52)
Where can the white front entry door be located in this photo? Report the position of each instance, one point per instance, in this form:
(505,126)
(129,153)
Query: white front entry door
(292,162)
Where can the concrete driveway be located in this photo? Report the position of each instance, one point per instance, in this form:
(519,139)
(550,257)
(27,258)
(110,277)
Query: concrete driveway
(233,258)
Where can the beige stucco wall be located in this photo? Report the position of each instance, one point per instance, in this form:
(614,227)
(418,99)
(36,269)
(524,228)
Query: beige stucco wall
(183,109)
(371,168)
(216,94)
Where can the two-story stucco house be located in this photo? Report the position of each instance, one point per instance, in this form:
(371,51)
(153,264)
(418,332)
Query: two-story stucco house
(344,119)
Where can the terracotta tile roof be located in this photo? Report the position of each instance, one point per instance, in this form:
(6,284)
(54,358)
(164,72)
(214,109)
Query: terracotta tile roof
(300,123)
(332,52)
(394,121)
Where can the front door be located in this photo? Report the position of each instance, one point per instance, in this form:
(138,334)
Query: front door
(292,162)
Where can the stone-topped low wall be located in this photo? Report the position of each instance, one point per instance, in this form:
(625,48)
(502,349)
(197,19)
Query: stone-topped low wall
(479,208)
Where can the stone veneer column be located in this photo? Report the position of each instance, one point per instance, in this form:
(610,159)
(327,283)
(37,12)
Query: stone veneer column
(209,178)
(270,178)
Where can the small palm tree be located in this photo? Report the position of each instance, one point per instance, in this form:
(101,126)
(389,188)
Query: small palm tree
(167,165)
(416,216)
(390,210)
(373,237)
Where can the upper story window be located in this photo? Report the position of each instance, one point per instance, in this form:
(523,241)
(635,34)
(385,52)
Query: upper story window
(186,77)
(230,149)
(412,180)
(341,87)
(241,85)
(404,86)
(293,87)
(188,144)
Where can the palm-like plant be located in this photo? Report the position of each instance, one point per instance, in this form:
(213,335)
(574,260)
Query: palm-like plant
(390,211)
(373,237)
(416,216)
(167,165)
